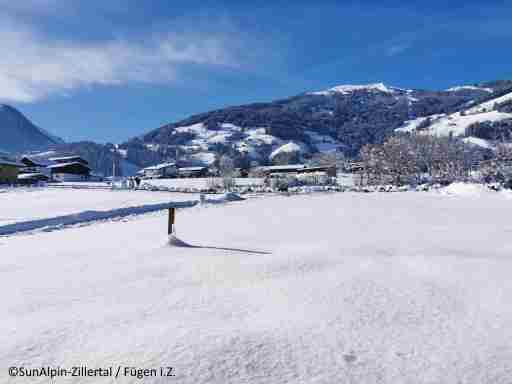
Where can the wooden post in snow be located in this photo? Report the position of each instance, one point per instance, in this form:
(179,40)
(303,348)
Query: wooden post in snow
(172,217)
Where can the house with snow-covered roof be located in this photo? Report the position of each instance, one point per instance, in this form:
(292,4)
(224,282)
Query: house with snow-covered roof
(69,168)
(159,171)
(193,171)
(297,169)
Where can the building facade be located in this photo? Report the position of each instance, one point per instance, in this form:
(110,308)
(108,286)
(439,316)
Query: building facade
(159,171)
(9,171)
(69,168)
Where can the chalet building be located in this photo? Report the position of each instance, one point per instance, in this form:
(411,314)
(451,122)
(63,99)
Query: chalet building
(297,169)
(329,170)
(34,171)
(193,172)
(159,171)
(9,171)
(276,169)
(69,168)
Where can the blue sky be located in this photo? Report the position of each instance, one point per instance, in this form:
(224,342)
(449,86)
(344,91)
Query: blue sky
(113,69)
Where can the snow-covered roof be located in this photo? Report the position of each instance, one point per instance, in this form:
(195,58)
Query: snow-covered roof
(37,163)
(159,166)
(61,165)
(283,167)
(73,158)
(24,176)
(191,169)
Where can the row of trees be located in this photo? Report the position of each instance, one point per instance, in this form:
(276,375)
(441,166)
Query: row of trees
(499,167)
(416,158)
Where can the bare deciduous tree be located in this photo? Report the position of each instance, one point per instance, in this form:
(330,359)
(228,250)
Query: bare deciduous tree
(412,157)
(227,171)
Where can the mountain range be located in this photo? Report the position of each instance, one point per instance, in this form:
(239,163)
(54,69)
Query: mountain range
(342,118)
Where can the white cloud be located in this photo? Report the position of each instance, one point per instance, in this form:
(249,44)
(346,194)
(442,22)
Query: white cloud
(34,66)
(397,49)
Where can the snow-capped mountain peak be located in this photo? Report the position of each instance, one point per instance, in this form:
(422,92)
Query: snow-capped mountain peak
(349,88)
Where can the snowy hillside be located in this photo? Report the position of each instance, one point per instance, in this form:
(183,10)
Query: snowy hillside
(20,134)
(198,145)
(297,294)
(346,117)
(467,122)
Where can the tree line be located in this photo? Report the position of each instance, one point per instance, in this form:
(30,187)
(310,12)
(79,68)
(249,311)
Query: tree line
(412,158)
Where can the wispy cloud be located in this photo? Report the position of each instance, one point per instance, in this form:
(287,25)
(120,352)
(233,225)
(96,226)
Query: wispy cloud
(397,49)
(34,66)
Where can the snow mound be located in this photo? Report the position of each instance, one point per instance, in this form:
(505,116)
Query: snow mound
(349,88)
(464,189)
(223,198)
(176,242)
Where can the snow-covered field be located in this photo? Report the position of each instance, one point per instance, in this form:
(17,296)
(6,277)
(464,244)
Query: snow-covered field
(23,204)
(338,288)
(201,182)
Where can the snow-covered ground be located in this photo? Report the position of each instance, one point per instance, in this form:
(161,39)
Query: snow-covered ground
(340,288)
(23,204)
(200,182)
